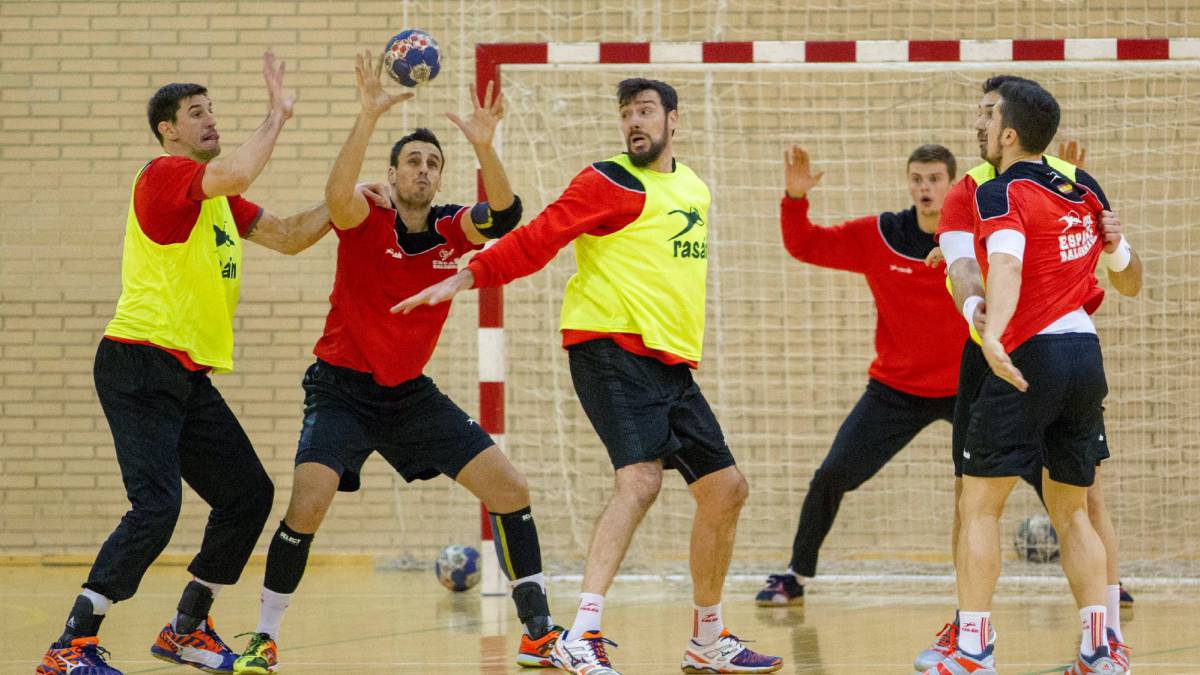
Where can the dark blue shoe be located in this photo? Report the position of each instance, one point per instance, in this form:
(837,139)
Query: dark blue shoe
(781,590)
(1126,598)
(84,656)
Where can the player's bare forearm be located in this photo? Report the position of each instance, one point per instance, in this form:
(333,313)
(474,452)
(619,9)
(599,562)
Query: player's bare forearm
(292,234)
(495,180)
(234,173)
(347,206)
(966,280)
(438,293)
(1003,291)
(1128,281)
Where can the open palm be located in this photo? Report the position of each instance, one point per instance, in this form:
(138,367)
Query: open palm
(370,88)
(798,172)
(480,127)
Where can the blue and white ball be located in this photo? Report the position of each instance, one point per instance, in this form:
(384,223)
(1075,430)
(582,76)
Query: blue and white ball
(1036,540)
(457,567)
(412,58)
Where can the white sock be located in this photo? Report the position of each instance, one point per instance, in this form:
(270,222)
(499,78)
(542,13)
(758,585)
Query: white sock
(800,579)
(707,624)
(1113,617)
(973,630)
(100,604)
(591,606)
(539,579)
(215,588)
(1092,619)
(270,613)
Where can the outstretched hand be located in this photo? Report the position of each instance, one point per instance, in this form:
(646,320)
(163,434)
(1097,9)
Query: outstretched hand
(480,127)
(370,89)
(1072,152)
(273,75)
(798,172)
(437,293)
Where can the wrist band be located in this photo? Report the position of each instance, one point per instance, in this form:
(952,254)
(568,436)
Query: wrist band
(1119,259)
(968,309)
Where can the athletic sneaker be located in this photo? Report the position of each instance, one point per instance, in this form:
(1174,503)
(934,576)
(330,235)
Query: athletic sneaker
(727,655)
(942,647)
(261,656)
(961,663)
(202,648)
(1118,650)
(585,656)
(780,590)
(83,655)
(1100,662)
(536,653)
(1126,598)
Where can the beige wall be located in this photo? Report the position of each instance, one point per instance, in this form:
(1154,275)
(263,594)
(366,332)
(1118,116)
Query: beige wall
(787,346)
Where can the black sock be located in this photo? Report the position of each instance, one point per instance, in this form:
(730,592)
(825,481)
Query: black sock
(193,607)
(286,559)
(516,540)
(81,622)
(532,608)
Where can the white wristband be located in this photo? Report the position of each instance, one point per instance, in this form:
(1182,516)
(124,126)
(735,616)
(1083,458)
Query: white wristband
(969,307)
(1119,259)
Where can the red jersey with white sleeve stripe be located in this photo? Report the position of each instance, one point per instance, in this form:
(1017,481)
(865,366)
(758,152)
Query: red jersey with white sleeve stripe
(918,333)
(1060,220)
(380,263)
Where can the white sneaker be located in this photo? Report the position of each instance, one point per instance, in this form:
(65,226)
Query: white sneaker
(727,655)
(585,656)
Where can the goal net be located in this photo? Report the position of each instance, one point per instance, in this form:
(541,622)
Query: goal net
(788,344)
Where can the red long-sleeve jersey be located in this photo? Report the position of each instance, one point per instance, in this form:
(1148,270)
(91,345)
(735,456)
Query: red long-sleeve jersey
(918,333)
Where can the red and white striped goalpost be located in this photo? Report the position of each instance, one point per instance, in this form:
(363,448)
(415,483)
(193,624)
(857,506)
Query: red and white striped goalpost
(490,57)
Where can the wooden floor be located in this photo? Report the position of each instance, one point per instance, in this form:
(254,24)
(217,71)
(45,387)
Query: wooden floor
(354,619)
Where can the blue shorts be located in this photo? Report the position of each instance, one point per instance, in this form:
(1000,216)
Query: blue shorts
(413,425)
(1058,423)
(645,410)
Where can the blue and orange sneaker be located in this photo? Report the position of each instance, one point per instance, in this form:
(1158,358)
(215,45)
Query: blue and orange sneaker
(727,655)
(536,653)
(260,658)
(780,590)
(943,646)
(586,656)
(83,655)
(202,648)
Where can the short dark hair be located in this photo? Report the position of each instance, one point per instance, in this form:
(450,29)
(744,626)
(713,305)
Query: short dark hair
(931,153)
(628,89)
(420,134)
(165,103)
(1032,112)
(993,83)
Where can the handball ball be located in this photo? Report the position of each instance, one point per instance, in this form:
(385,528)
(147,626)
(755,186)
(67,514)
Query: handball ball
(457,567)
(412,58)
(1036,540)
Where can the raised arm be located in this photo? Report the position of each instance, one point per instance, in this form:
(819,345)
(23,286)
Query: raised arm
(503,207)
(839,247)
(347,206)
(234,173)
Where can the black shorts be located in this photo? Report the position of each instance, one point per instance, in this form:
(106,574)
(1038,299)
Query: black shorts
(645,410)
(1058,423)
(413,425)
(972,369)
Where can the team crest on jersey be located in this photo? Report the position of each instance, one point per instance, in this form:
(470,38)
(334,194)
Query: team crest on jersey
(445,260)
(1078,236)
(693,218)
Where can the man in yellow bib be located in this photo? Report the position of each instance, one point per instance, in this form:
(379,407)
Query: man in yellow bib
(633,325)
(180,274)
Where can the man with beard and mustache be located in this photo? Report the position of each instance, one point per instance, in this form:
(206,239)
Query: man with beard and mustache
(956,232)
(633,325)
(367,391)
(173,325)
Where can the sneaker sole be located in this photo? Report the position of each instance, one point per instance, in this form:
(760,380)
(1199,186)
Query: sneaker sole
(771,603)
(175,660)
(707,670)
(530,661)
